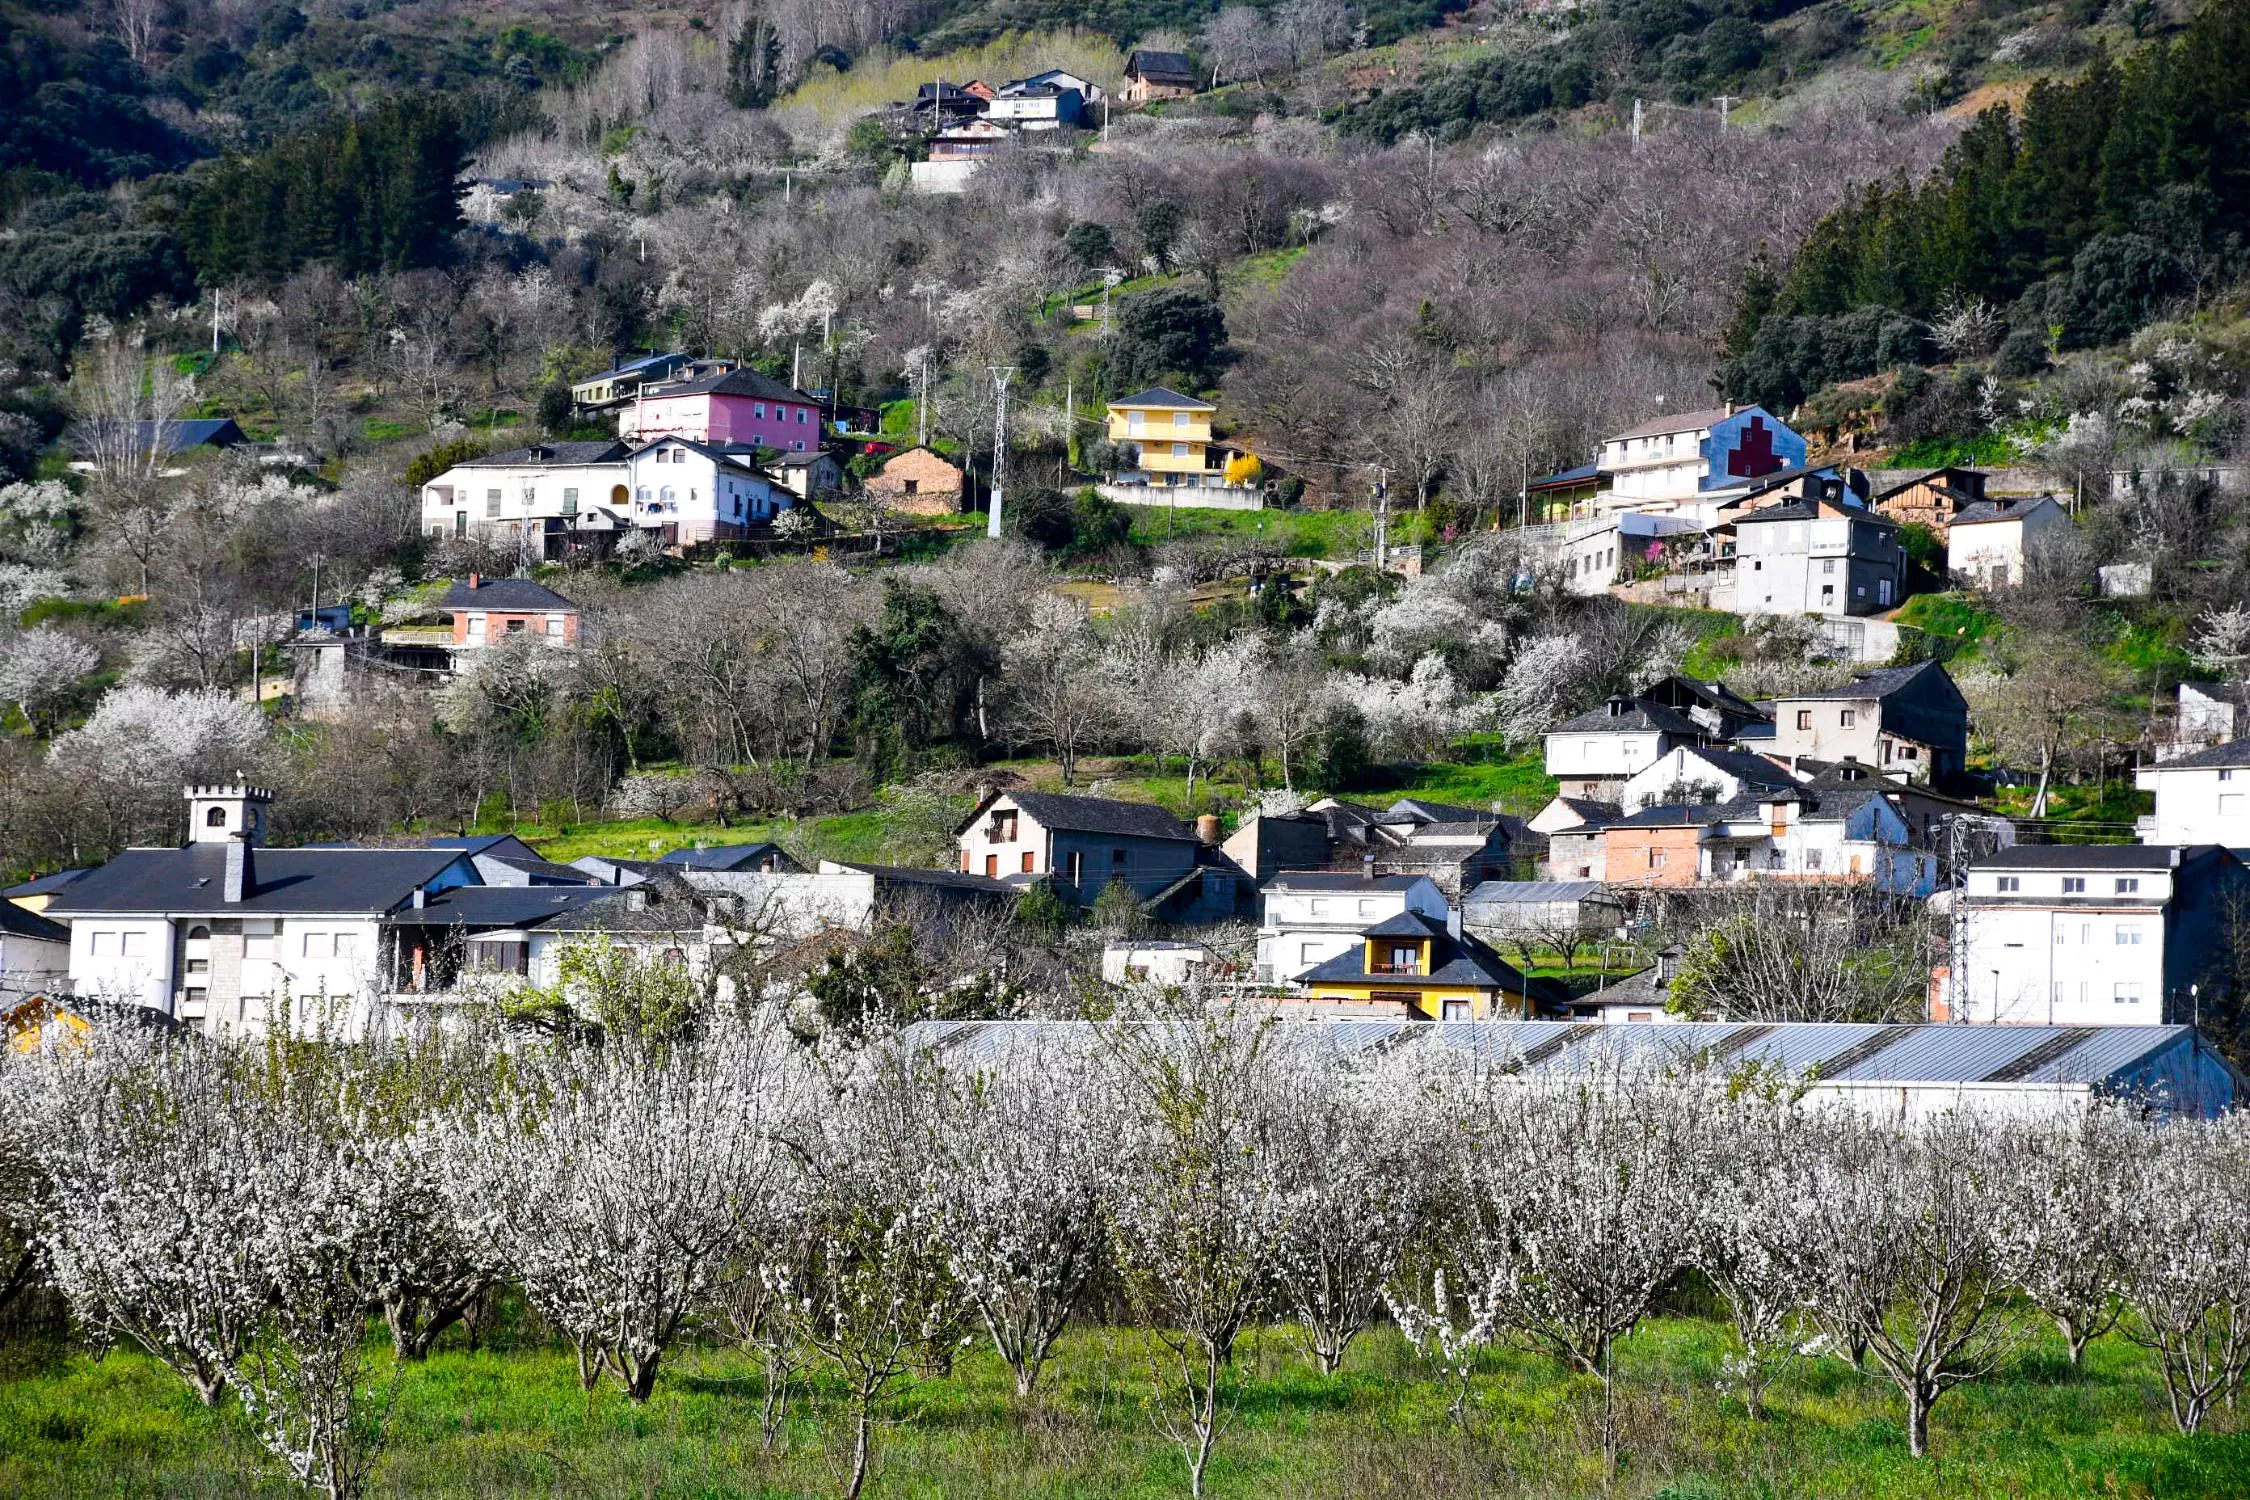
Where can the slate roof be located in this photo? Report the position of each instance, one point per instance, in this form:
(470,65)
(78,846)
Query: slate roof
(726,856)
(1095,815)
(1321,880)
(505,594)
(45,885)
(1686,421)
(1590,810)
(1406,924)
(2089,856)
(545,870)
(1438,812)
(1568,478)
(1638,715)
(1157,395)
(1810,510)
(1743,765)
(633,366)
(282,881)
(178,436)
(736,383)
(1880,683)
(951,880)
(1982,512)
(1170,68)
(16,922)
(490,906)
(2233,753)
(551,455)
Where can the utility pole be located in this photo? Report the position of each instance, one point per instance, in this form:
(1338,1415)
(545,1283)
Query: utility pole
(1636,124)
(1379,501)
(922,404)
(1726,106)
(1001,375)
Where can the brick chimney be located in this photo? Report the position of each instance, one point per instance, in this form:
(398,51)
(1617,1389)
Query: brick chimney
(475,582)
(239,880)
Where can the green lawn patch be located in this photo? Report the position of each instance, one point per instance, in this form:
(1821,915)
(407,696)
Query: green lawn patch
(510,1420)
(1334,535)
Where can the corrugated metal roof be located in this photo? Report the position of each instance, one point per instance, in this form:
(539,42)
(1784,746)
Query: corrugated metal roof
(1508,892)
(1909,1054)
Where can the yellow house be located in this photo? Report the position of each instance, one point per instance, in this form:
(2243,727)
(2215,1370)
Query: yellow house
(1415,965)
(1165,438)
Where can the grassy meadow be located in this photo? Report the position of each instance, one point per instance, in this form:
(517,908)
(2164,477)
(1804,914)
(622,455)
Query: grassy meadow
(510,1420)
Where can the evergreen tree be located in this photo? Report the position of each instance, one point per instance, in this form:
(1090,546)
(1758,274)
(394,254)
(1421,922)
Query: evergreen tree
(754,63)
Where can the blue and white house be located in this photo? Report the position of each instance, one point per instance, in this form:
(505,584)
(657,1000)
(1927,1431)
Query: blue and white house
(1689,462)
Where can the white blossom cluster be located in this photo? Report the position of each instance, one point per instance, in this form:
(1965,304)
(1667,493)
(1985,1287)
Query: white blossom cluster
(240,1209)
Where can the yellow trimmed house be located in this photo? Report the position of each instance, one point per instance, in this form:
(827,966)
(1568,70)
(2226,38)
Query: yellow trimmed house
(1416,966)
(1164,445)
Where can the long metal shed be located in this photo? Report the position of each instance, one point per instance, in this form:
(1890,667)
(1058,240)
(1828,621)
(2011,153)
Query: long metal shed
(1900,1071)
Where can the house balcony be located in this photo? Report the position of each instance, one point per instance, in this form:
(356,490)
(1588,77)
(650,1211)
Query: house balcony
(1410,971)
(418,635)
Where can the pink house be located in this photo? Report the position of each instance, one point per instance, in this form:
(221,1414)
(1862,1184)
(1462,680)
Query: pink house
(740,406)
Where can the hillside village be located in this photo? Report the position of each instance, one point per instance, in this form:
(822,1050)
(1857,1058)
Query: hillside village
(1431,741)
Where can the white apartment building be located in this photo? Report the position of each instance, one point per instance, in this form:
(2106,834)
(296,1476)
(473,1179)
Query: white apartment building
(2093,935)
(2200,798)
(1307,918)
(1679,462)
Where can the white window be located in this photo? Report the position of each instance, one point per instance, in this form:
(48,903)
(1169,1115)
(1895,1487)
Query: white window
(1307,953)
(313,945)
(347,944)
(2128,935)
(136,944)
(1179,421)
(1179,450)
(2062,934)
(2230,804)
(1133,422)
(801,416)
(2126,992)
(106,944)
(258,947)
(2073,884)
(2128,886)
(2008,883)
(759,410)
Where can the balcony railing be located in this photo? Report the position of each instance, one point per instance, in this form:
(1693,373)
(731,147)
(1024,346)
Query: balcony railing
(1412,969)
(418,635)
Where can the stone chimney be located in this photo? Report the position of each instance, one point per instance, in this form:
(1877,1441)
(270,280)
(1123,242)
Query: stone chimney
(240,881)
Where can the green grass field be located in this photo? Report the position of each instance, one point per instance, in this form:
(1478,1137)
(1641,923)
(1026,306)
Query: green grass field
(511,1421)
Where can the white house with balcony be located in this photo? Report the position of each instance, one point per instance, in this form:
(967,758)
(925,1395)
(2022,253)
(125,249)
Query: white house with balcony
(1308,917)
(552,497)
(2203,797)
(2093,935)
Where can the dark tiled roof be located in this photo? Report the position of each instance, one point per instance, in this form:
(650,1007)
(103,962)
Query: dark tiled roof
(45,885)
(1099,815)
(1675,815)
(1405,924)
(505,594)
(1162,67)
(1320,880)
(16,922)
(735,383)
(542,455)
(1568,478)
(1639,714)
(1591,810)
(176,437)
(1157,395)
(1880,683)
(283,881)
(950,880)
(544,871)
(729,857)
(490,906)
(1437,812)
(2090,856)
(1983,511)
(2233,753)
(1743,765)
